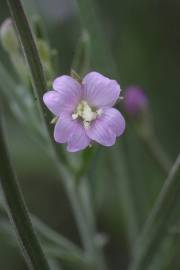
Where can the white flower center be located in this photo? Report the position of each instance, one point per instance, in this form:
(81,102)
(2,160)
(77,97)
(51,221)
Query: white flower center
(86,113)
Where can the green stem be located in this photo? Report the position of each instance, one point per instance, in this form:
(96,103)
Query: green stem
(61,247)
(36,70)
(81,60)
(159,219)
(18,213)
(83,220)
(157,152)
(52,236)
(146,131)
(32,56)
(38,79)
(87,208)
(100,54)
(127,198)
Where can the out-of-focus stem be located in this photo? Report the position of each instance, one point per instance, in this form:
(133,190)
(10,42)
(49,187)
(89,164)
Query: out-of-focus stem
(159,219)
(54,244)
(36,70)
(80,204)
(146,131)
(39,83)
(158,153)
(18,213)
(127,197)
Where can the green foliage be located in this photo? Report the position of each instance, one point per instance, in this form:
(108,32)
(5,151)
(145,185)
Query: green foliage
(120,204)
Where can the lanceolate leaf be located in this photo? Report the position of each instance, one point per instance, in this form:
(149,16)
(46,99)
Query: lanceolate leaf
(159,220)
(18,212)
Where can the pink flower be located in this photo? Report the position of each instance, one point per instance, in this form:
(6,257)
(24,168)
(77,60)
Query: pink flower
(84,111)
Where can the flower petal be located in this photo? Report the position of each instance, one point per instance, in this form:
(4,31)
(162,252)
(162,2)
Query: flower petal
(71,132)
(78,139)
(99,91)
(114,120)
(69,90)
(64,127)
(53,102)
(105,128)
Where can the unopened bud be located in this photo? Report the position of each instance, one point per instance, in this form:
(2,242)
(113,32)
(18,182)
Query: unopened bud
(8,36)
(135,100)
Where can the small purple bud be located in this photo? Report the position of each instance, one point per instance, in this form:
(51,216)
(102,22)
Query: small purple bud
(135,100)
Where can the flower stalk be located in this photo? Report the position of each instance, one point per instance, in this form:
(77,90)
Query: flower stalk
(136,105)
(157,152)
(146,132)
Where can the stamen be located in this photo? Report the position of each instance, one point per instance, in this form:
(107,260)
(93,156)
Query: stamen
(86,113)
(99,112)
(86,124)
(74,116)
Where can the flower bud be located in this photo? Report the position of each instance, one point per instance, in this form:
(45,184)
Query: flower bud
(135,100)
(8,36)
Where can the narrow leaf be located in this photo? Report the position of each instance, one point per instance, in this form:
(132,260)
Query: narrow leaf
(159,220)
(18,212)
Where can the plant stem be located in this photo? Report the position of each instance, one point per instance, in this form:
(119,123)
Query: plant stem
(36,70)
(155,228)
(39,83)
(127,197)
(18,213)
(87,208)
(100,54)
(84,221)
(61,247)
(54,237)
(158,153)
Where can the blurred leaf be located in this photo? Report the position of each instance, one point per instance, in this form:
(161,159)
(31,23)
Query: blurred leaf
(17,209)
(102,60)
(54,245)
(159,220)
(81,61)
(6,232)
(101,57)
(122,181)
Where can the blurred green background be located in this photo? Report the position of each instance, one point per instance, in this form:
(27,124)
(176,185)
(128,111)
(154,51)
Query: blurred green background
(144,37)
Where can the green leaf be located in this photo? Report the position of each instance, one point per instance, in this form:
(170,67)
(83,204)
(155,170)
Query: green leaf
(159,220)
(54,245)
(101,57)
(124,188)
(36,70)
(81,61)
(18,212)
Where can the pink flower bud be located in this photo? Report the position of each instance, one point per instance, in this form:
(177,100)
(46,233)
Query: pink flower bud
(135,100)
